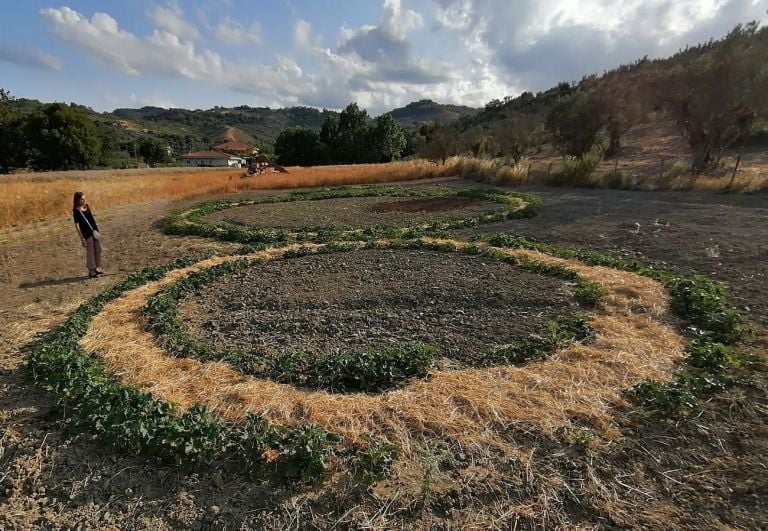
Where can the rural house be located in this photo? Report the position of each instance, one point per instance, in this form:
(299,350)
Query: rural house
(212,158)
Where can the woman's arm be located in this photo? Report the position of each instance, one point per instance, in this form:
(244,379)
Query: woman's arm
(79,233)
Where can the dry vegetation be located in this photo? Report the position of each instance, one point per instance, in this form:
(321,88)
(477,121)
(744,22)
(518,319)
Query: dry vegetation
(653,157)
(32,197)
(471,407)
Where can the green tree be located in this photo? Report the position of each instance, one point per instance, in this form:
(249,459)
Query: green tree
(715,92)
(477,141)
(621,102)
(386,139)
(514,136)
(351,144)
(297,146)
(62,138)
(12,144)
(439,142)
(153,150)
(576,122)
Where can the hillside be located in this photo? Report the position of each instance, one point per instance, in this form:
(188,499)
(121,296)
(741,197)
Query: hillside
(229,134)
(186,130)
(413,115)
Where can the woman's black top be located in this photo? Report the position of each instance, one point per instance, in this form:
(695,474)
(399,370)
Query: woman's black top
(79,216)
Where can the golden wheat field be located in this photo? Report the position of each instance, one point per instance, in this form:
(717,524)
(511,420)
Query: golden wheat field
(31,197)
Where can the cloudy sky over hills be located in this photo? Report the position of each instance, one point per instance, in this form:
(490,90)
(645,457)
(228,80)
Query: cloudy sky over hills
(380,53)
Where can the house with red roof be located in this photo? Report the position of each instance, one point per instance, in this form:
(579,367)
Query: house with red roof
(212,159)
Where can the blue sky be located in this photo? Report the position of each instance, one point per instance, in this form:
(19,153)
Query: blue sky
(381,53)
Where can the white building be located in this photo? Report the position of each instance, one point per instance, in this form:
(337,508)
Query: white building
(212,159)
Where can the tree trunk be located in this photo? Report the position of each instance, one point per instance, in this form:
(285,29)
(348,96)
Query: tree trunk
(702,155)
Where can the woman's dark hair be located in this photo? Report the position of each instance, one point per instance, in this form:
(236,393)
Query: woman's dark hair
(76,200)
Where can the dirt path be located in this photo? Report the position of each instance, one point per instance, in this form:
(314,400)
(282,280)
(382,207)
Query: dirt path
(51,479)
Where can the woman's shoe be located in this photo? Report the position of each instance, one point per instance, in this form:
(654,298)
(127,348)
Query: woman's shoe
(93,274)
(99,271)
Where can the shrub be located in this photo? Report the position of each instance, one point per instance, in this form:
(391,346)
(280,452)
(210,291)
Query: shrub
(575,172)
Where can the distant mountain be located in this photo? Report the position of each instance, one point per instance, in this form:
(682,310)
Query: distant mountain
(254,125)
(413,115)
(188,130)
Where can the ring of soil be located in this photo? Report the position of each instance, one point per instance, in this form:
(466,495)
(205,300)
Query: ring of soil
(462,305)
(361,213)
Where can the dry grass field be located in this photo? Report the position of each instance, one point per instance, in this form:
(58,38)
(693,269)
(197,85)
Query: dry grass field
(653,158)
(33,197)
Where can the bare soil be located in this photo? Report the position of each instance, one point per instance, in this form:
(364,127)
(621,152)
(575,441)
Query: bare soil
(723,236)
(708,472)
(357,212)
(462,305)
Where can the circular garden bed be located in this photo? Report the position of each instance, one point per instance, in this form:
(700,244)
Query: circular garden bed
(460,304)
(450,340)
(361,213)
(354,212)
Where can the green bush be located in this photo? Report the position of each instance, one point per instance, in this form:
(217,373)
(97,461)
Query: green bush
(575,172)
(703,304)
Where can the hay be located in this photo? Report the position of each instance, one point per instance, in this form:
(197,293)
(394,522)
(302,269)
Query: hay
(579,383)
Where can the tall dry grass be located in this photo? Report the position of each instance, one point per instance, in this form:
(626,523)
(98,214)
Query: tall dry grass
(750,178)
(31,197)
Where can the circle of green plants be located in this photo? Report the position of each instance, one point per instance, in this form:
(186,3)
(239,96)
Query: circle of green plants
(191,221)
(93,400)
(364,370)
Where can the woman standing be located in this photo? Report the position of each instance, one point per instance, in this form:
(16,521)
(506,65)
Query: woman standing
(89,234)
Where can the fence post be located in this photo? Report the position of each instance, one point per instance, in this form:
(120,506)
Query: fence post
(735,169)
(528,173)
(549,170)
(616,165)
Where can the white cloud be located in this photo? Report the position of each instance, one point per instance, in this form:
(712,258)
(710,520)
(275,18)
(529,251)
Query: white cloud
(230,31)
(163,53)
(302,33)
(536,43)
(171,19)
(17,56)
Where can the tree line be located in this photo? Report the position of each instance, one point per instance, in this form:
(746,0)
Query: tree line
(57,136)
(352,138)
(715,93)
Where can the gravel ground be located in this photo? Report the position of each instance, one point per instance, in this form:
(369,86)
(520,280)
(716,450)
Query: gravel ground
(378,298)
(357,211)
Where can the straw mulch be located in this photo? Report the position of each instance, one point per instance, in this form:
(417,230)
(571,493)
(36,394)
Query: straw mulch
(579,383)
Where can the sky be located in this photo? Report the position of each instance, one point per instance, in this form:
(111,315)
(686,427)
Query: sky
(382,54)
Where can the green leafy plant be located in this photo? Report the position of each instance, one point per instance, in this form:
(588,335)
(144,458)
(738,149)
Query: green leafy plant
(127,418)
